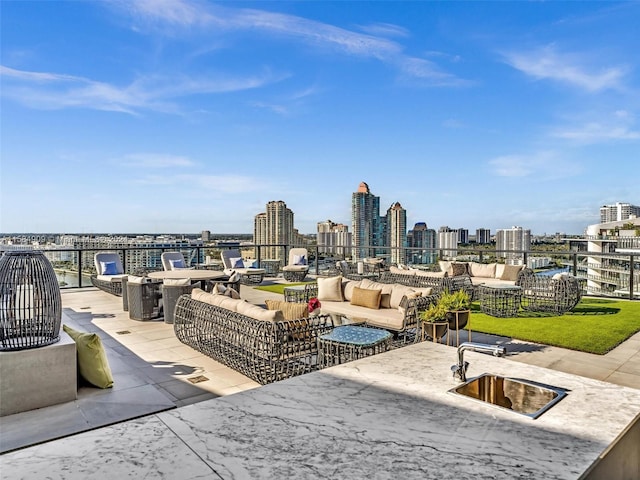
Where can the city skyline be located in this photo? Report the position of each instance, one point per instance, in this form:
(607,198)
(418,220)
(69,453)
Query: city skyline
(183,116)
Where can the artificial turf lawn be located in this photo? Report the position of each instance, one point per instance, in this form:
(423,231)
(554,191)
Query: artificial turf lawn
(595,325)
(279,287)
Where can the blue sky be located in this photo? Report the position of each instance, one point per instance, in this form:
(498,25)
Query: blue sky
(179,116)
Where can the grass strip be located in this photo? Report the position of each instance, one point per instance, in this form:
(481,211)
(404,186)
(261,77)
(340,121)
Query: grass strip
(594,326)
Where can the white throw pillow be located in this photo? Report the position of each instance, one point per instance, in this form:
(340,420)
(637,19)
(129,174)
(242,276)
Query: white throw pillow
(330,289)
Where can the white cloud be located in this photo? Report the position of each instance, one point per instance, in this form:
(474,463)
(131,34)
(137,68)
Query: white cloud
(547,63)
(43,90)
(155,160)
(385,29)
(547,165)
(217,19)
(619,125)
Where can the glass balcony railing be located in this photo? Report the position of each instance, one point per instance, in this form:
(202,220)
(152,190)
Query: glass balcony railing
(620,271)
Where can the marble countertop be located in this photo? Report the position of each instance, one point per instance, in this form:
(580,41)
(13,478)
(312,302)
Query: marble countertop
(386,416)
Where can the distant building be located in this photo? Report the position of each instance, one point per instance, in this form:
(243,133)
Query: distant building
(510,243)
(483,235)
(447,242)
(618,212)
(421,237)
(275,228)
(607,274)
(463,236)
(334,238)
(365,220)
(206,235)
(397,232)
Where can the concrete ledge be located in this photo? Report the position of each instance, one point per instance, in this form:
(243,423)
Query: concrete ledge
(38,377)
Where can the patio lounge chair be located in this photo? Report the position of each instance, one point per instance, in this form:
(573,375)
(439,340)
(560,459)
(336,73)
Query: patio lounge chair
(109,272)
(173,261)
(232,261)
(297,268)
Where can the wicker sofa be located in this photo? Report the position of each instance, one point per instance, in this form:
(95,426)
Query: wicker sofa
(260,343)
(396,307)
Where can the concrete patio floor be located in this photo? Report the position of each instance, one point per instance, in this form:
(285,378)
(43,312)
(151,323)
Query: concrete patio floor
(153,371)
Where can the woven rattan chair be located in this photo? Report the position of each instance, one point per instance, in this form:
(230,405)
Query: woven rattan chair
(557,294)
(109,272)
(297,268)
(173,260)
(232,261)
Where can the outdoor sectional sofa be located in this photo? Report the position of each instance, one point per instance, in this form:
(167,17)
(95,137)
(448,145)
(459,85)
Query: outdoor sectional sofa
(394,307)
(256,342)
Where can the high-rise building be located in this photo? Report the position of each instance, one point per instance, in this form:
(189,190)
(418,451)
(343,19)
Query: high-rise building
(397,233)
(618,212)
(447,242)
(463,236)
(511,243)
(607,274)
(483,235)
(274,227)
(334,238)
(206,235)
(365,220)
(424,238)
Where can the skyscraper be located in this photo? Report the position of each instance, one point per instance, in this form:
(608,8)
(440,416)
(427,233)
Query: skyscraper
(365,221)
(618,212)
(512,241)
(397,232)
(274,227)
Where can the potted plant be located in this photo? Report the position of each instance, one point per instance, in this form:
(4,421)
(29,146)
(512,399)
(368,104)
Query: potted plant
(435,322)
(457,305)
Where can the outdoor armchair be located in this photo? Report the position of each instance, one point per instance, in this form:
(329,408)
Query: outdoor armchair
(233,263)
(173,261)
(109,272)
(298,265)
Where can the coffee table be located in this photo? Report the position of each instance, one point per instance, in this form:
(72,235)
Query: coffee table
(350,342)
(500,300)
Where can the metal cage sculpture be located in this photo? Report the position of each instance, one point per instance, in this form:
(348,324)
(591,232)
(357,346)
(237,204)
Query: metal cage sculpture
(30,303)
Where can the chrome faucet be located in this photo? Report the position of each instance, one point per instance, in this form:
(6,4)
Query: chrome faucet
(460,369)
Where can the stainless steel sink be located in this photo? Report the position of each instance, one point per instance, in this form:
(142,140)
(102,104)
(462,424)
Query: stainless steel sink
(521,396)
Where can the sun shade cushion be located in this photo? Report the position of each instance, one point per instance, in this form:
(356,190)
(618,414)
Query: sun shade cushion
(92,358)
(109,268)
(365,297)
(330,289)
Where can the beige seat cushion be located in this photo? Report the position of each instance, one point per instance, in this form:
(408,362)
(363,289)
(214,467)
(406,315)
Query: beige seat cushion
(217,300)
(259,313)
(423,273)
(388,318)
(401,271)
